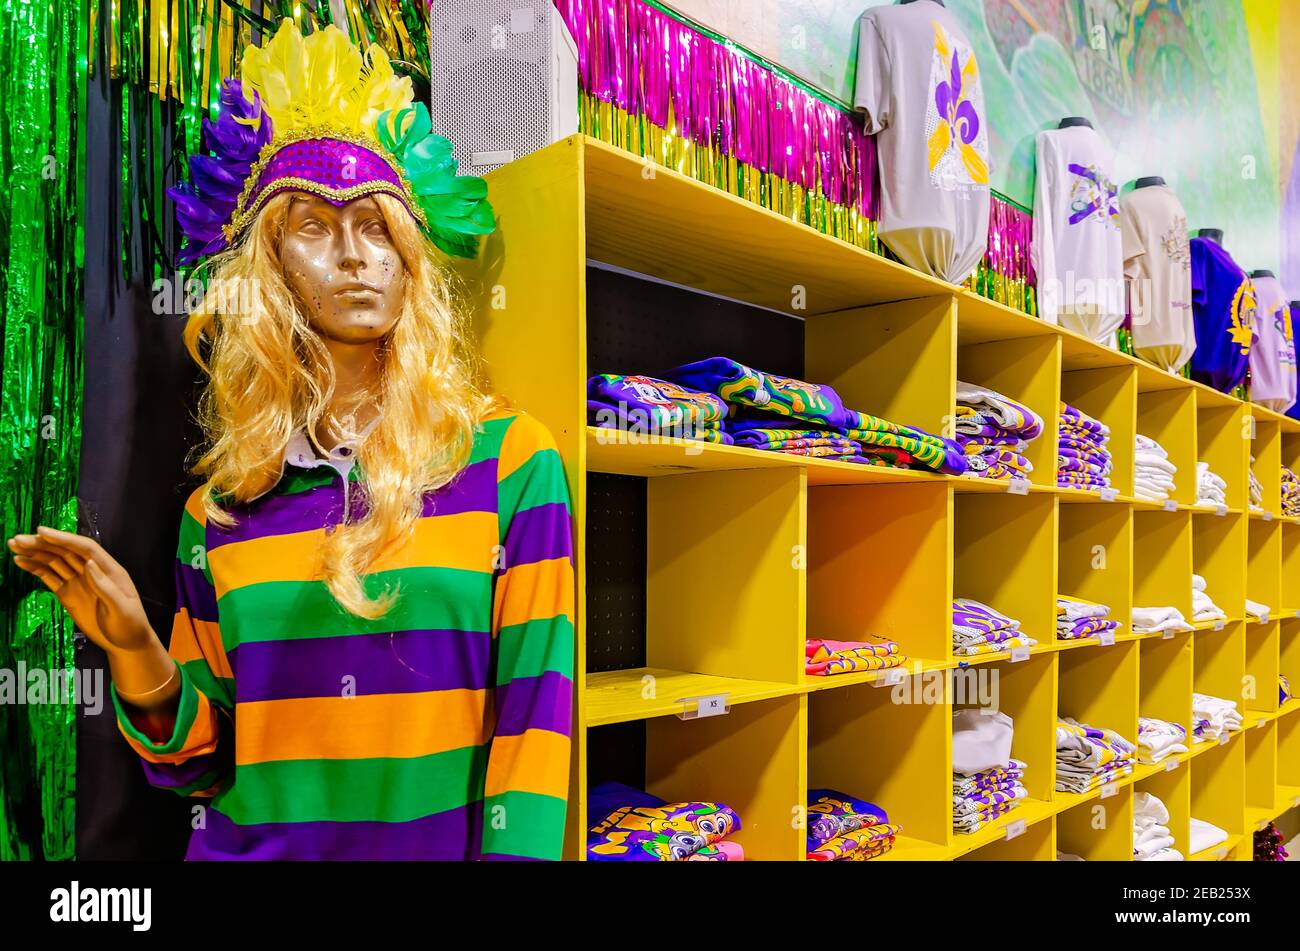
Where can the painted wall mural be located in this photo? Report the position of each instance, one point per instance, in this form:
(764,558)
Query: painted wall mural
(1188,89)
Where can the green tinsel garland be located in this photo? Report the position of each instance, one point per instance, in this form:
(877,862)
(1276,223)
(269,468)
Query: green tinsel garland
(42,188)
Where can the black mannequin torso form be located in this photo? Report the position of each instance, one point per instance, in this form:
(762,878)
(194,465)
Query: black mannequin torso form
(1213,234)
(901,2)
(1071,121)
(1262,272)
(1148,181)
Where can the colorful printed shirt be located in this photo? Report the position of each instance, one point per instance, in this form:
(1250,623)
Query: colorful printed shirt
(1223,302)
(1157,268)
(438,731)
(918,87)
(1272,359)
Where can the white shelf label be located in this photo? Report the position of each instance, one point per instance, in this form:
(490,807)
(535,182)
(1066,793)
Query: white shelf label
(1018,654)
(1109,789)
(1106,638)
(1263,618)
(1171,505)
(1018,486)
(1109,493)
(1223,738)
(1221,510)
(1016,829)
(1261,724)
(1221,853)
(1171,764)
(889,678)
(1167,636)
(1218,625)
(1268,516)
(1262,824)
(714,705)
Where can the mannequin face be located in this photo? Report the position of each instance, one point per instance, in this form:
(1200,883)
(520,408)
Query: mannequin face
(344,267)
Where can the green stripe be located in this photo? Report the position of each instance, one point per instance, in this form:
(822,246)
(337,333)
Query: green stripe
(430,599)
(206,781)
(539,481)
(487,442)
(220,690)
(536,646)
(187,709)
(192,545)
(389,789)
(525,824)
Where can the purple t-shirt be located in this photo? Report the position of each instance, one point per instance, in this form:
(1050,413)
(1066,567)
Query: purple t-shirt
(1223,306)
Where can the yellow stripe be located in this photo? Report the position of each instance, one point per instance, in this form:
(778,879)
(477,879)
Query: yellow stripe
(463,541)
(199,640)
(523,440)
(399,725)
(536,761)
(539,590)
(194,505)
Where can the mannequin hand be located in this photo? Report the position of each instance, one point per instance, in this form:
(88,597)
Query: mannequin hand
(92,587)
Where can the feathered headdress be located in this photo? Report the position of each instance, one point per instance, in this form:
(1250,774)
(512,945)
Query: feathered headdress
(316,114)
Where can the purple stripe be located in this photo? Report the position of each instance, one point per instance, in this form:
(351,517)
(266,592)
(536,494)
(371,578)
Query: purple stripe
(401,662)
(454,835)
(473,490)
(179,775)
(539,534)
(194,591)
(535,703)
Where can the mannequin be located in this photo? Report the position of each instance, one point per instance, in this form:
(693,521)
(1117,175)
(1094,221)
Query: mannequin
(338,558)
(1157,269)
(1211,234)
(901,2)
(1070,122)
(1224,311)
(1149,181)
(1261,272)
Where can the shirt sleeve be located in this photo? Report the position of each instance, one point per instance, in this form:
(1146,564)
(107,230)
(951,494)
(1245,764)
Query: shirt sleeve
(872,91)
(533,651)
(190,754)
(1042,247)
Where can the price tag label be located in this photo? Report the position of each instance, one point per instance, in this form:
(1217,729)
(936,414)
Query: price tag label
(1018,486)
(1016,829)
(1106,638)
(1263,618)
(1221,510)
(1171,505)
(1261,724)
(1108,790)
(1223,738)
(1262,824)
(1220,853)
(1109,493)
(1167,636)
(889,678)
(697,708)
(1171,764)
(1018,654)
(1218,625)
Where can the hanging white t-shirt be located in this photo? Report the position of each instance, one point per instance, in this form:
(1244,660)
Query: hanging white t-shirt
(1158,269)
(918,86)
(1272,358)
(1077,249)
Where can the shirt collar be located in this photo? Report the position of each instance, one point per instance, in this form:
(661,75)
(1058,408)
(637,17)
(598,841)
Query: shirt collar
(301,454)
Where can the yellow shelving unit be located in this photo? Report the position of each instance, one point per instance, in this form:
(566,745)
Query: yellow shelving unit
(739,555)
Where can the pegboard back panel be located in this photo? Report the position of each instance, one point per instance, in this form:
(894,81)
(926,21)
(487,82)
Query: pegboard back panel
(616,572)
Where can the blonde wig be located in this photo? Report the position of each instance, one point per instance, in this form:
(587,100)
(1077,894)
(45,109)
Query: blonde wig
(269,374)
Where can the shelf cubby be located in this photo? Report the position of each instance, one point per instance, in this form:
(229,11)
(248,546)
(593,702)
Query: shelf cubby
(1100,687)
(1108,394)
(1038,843)
(1169,417)
(1100,830)
(1266,448)
(1289,571)
(1162,558)
(1219,556)
(855,588)
(1259,684)
(1095,552)
(1261,771)
(1165,690)
(1264,564)
(1020,581)
(1173,787)
(1223,436)
(1219,794)
(1219,662)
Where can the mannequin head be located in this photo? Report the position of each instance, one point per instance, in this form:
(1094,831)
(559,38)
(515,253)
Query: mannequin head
(306,282)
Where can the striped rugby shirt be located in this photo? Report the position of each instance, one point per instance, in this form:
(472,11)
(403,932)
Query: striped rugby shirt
(438,731)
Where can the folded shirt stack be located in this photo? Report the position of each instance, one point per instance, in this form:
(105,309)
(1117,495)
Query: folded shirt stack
(825,658)
(1068,857)
(1152,840)
(1082,459)
(841,828)
(1158,739)
(1256,490)
(782,414)
(1203,608)
(1213,717)
(1153,473)
(986,781)
(1076,618)
(1157,620)
(1088,757)
(1283,689)
(1204,835)
(1256,610)
(978,629)
(1290,493)
(994,432)
(1211,490)
(633,826)
(652,407)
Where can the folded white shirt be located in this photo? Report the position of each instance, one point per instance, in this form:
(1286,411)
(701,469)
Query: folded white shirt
(1255,608)
(1150,620)
(1204,836)
(1164,855)
(1147,444)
